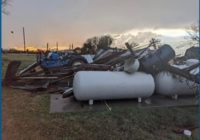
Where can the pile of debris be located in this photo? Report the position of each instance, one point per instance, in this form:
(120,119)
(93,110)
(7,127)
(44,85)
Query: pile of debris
(110,74)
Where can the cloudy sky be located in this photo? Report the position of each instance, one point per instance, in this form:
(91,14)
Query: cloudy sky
(73,21)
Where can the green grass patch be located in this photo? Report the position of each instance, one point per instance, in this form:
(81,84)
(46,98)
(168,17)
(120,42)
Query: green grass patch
(26,117)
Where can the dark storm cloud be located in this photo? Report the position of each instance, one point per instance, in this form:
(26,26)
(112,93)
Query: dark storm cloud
(125,14)
(75,20)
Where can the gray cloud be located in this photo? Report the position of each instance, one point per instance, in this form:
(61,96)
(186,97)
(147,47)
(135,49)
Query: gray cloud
(70,20)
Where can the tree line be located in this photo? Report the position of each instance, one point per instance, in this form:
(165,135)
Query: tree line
(90,46)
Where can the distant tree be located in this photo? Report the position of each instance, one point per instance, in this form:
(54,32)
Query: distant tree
(4,4)
(193,32)
(77,50)
(12,50)
(93,44)
(90,46)
(104,42)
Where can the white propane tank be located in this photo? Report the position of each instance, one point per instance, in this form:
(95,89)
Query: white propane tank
(168,84)
(103,85)
(131,65)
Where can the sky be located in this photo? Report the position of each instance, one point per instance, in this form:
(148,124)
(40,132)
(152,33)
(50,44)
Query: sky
(73,21)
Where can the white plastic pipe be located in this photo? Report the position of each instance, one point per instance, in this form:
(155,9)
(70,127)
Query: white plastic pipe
(102,85)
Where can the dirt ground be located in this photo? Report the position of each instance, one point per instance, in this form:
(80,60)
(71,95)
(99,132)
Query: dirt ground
(26,117)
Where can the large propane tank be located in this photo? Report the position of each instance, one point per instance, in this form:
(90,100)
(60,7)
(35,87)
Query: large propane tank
(154,62)
(169,84)
(103,85)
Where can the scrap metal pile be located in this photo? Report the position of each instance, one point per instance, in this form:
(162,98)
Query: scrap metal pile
(112,73)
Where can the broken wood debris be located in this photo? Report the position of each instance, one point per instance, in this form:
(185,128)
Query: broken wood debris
(149,61)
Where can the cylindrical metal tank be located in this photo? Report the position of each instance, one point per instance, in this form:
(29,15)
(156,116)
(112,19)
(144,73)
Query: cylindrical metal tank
(168,84)
(154,62)
(102,85)
(131,65)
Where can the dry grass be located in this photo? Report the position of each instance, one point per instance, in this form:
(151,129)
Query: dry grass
(26,117)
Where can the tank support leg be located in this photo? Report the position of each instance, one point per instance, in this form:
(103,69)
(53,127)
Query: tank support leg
(91,102)
(175,97)
(139,100)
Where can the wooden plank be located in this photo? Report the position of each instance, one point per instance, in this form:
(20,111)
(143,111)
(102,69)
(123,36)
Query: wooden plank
(28,68)
(37,77)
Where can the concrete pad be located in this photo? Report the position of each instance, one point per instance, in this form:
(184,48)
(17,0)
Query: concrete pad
(63,105)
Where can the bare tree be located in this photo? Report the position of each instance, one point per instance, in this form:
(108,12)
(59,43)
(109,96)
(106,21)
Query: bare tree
(193,32)
(90,45)
(93,44)
(104,42)
(4,4)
